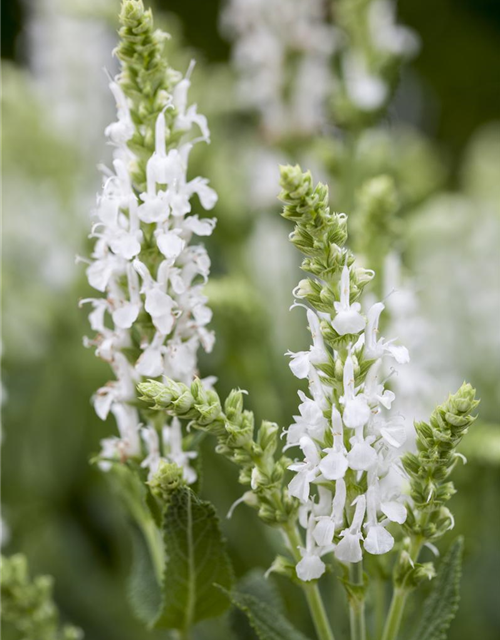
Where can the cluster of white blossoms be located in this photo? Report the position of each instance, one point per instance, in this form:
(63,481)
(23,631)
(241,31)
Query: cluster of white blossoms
(346,439)
(282,52)
(153,316)
(350,480)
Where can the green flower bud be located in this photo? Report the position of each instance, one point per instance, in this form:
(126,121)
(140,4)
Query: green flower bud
(167,478)
(234,404)
(267,437)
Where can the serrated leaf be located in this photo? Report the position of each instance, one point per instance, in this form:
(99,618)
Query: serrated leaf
(196,560)
(442,603)
(254,583)
(267,623)
(143,589)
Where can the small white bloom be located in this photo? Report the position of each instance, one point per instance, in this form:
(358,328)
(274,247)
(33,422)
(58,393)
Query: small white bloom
(348,318)
(306,471)
(349,548)
(377,348)
(356,410)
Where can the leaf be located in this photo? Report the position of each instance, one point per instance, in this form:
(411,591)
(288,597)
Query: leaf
(143,589)
(442,603)
(196,560)
(266,621)
(254,583)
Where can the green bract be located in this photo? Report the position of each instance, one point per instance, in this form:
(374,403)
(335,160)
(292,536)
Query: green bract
(27,603)
(254,453)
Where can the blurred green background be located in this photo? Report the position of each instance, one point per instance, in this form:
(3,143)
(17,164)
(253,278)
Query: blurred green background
(59,509)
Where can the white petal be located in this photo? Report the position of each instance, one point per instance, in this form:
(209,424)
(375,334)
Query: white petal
(99,274)
(170,244)
(158,303)
(349,321)
(299,364)
(103,400)
(299,486)
(334,465)
(202,227)
(165,323)
(395,511)
(202,314)
(378,540)
(125,245)
(361,457)
(154,210)
(395,436)
(323,532)
(349,548)
(399,353)
(356,413)
(311,567)
(125,316)
(150,363)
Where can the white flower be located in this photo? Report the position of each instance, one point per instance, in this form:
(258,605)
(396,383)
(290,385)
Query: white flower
(161,283)
(310,422)
(348,318)
(377,348)
(311,567)
(349,548)
(377,540)
(334,465)
(356,410)
(306,471)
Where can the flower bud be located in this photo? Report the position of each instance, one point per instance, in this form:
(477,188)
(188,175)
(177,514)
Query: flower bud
(167,478)
(234,405)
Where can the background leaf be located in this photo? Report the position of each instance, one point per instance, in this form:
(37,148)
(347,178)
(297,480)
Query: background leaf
(143,589)
(196,560)
(266,621)
(442,603)
(254,583)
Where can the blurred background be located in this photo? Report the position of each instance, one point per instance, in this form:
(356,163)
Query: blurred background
(439,143)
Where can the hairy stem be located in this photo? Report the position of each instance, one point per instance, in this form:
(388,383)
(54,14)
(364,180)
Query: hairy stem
(357,604)
(311,591)
(399,598)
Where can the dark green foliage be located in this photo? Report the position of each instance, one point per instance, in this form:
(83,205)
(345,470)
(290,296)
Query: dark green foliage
(442,604)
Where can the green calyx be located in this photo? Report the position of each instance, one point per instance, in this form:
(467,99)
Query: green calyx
(27,603)
(254,453)
(430,467)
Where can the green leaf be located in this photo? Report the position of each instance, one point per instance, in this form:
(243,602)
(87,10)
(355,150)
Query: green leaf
(196,560)
(265,620)
(442,603)
(254,583)
(143,589)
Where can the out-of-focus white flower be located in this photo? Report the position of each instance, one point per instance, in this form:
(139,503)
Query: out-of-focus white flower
(277,41)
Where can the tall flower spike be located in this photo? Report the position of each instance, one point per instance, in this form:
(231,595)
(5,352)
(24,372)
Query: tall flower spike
(349,458)
(153,315)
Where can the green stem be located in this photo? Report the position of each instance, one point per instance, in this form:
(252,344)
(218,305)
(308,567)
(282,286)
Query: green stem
(357,604)
(399,598)
(379,593)
(395,613)
(311,591)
